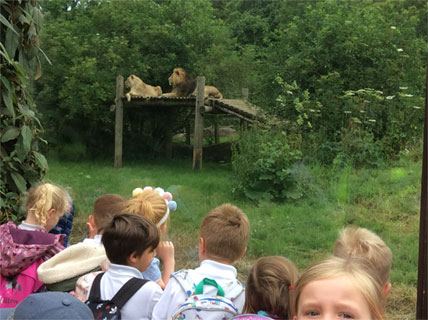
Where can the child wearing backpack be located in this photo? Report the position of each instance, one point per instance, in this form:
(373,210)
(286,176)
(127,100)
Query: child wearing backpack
(269,288)
(212,290)
(155,205)
(130,241)
(24,248)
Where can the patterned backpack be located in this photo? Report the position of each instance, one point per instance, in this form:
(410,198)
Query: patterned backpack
(204,306)
(110,309)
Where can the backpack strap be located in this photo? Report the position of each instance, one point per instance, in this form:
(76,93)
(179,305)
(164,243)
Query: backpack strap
(127,291)
(95,294)
(199,289)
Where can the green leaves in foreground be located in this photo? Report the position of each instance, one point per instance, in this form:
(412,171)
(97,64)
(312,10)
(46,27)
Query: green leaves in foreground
(20,162)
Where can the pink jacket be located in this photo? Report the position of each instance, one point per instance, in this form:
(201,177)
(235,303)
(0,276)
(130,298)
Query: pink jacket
(21,253)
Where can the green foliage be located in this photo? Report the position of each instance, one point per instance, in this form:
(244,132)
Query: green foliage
(330,48)
(21,163)
(263,161)
(91,42)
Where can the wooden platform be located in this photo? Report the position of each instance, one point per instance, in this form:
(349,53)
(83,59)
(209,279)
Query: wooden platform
(237,107)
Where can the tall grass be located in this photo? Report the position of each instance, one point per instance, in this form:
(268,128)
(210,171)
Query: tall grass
(384,200)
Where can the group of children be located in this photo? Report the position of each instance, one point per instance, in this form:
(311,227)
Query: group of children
(125,240)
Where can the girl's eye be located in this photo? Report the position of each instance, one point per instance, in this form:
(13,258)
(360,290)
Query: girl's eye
(346,316)
(312,313)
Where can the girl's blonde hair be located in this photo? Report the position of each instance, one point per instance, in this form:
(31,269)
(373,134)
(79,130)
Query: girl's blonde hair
(269,287)
(355,269)
(44,197)
(148,204)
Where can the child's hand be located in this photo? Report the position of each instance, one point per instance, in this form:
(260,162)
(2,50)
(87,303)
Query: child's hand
(165,251)
(92,231)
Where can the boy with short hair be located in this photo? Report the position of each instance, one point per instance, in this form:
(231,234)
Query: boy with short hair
(223,238)
(104,208)
(130,242)
(362,243)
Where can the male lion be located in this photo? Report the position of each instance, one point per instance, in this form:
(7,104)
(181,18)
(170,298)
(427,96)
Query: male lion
(183,85)
(141,89)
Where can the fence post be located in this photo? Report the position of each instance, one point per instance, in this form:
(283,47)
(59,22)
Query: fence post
(118,130)
(422,299)
(199,124)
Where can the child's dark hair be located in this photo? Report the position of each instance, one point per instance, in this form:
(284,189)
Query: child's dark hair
(269,287)
(128,233)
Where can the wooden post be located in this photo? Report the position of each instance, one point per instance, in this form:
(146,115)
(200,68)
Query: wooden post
(199,124)
(118,131)
(422,299)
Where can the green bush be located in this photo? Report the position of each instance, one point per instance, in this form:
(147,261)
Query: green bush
(262,161)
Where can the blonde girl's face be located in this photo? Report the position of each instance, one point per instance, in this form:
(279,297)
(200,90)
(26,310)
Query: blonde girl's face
(332,298)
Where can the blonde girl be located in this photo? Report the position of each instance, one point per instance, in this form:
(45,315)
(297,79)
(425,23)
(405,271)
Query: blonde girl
(46,204)
(25,247)
(338,288)
(269,287)
(155,205)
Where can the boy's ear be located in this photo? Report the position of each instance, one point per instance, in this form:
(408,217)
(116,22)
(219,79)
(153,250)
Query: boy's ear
(132,258)
(386,290)
(91,220)
(243,253)
(202,248)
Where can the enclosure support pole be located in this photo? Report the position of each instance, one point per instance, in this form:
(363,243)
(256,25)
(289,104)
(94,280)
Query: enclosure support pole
(118,131)
(199,124)
(422,299)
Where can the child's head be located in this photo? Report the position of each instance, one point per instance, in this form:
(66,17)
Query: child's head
(363,243)
(104,208)
(336,288)
(223,234)
(150,205)
(269,286)
(46,204)
(130,239)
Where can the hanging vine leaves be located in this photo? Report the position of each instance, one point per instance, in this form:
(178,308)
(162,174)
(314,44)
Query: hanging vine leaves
(21,162)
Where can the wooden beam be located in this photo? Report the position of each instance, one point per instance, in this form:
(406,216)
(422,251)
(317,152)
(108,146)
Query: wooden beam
(199,124)
(118,131)
(422,299)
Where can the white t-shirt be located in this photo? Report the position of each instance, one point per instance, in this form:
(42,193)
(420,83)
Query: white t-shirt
(141,304)
(173,296)
(96,240)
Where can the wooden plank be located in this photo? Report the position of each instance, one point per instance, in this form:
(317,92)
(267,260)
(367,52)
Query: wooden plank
(199,124)
(118,131)
(422,299)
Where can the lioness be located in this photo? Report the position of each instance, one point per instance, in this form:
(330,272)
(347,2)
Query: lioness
(183,85)
(141,89)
